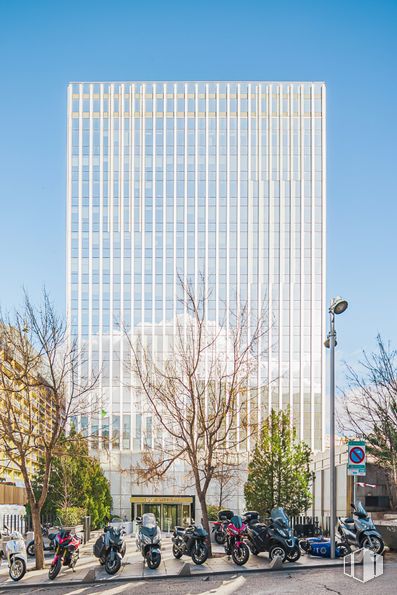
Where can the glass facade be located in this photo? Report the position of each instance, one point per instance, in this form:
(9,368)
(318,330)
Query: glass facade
(220,179)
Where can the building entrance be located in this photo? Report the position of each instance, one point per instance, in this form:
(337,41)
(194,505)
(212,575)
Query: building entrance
(168,510)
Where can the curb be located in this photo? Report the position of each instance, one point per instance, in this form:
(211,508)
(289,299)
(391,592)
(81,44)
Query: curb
(120,579)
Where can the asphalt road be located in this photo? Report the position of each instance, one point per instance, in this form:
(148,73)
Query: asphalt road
(307,582)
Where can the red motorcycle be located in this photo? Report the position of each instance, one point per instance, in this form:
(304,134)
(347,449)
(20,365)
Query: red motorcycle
(66,552)
(234,545)
(219,527)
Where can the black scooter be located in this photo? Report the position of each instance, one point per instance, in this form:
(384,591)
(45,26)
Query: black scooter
(274,537)
(192,542)
(360,531)
(148,540)
(110,549)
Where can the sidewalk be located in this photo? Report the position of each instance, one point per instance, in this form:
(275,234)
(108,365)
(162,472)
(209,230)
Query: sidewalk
(88,569)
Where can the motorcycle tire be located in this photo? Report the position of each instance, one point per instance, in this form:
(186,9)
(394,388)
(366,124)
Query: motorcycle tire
(176,552)
(54,569)
(153,563)
(201,556)
(343,550)
(253,549)
(377,545)
(112,566)
(304,545)
(102,561)
(30,549)
(277,550)
(220,538)
(240,554)
(294,555)
(17,569)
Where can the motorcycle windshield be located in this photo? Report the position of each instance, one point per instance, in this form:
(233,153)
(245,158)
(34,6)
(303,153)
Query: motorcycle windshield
(237,521)
(360,508)
(278,516)
(149,520)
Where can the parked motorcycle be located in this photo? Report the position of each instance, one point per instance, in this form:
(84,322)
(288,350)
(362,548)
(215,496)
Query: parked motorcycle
(360,531)
(48,539)
(110,548)
(234,545)
(148,540)
(66,552)
(321,547)
(219,527)
(274,537)
(190,542)
(12,549)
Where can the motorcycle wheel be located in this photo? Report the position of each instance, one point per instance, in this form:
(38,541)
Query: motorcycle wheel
(240,554)
(277,551)
(153,563)
(343,551)
(176,552)
(253,549)
(294,555)
(102,561)
(304,545)
(17,569)
(30,549)
(112,566)
(200,555)
(54,569)
(220,538)
(375,544)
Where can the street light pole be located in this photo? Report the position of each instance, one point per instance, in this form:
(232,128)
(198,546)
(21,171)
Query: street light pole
(332,470)
(338,306)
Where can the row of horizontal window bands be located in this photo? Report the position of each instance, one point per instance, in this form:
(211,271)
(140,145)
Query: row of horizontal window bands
(294,95)
(191,114)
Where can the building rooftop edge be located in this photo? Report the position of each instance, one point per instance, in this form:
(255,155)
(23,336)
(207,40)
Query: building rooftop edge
(198,81)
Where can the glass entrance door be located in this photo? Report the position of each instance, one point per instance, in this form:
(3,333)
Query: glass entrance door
(169,516)
(154,509)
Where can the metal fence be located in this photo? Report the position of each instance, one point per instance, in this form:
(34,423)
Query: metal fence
(46,519)
(306,526)
(15,522)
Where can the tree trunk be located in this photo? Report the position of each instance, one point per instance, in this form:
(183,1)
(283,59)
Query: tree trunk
(38,536)
(206,524)
(391,488)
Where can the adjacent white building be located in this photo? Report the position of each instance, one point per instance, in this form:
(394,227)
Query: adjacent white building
(224,179)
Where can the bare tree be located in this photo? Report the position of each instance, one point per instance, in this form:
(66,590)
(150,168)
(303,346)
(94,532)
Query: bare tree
(369,408)
(225,481)
(203,394)
(40,389)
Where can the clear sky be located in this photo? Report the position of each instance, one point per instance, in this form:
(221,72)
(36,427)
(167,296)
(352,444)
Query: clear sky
(352,45)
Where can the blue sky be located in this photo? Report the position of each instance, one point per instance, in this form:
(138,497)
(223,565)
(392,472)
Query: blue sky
(351,45)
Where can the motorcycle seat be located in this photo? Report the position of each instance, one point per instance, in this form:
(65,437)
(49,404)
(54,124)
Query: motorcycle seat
(179,529)
(348,520)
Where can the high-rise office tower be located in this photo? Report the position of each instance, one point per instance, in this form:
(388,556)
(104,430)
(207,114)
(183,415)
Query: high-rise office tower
(224,179)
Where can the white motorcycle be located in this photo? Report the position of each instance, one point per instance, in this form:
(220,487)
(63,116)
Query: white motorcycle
(13,549)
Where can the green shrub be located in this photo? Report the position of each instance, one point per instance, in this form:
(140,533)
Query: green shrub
(213,512)
(71,516)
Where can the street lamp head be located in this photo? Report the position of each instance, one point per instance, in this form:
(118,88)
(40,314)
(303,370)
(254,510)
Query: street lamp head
(338,305)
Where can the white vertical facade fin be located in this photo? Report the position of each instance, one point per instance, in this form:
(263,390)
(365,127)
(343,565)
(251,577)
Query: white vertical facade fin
(224,179)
